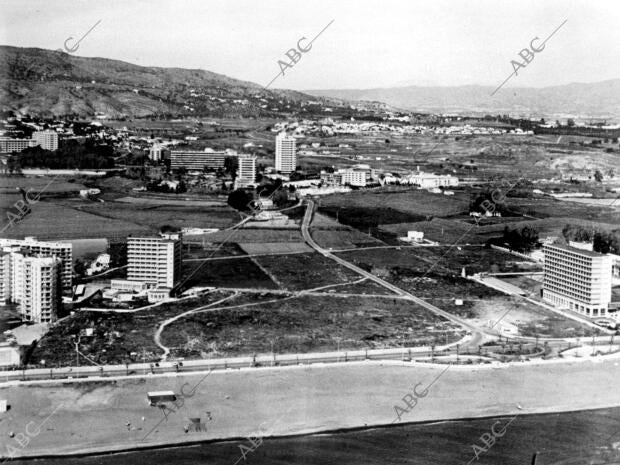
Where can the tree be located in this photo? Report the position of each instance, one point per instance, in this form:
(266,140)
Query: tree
(240,200)
(598,175)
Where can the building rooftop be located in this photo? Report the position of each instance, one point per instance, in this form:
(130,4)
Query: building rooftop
(587,253)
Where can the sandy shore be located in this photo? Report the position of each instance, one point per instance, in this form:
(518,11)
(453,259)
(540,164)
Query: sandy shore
(114,415)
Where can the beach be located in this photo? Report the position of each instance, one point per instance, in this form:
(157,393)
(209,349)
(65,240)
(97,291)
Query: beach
(111,415)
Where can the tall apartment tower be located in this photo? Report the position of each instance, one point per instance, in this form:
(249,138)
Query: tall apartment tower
(48,140)
(5,278)
(286,156)
(246,172)
(40,294)
(61,250)
(155,260)
(578,280)
(155,152)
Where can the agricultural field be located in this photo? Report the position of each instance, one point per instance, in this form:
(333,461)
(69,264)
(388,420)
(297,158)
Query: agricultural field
(403,204)
(239,272)
(307,324)
(548,207)
(444,231)
(155,216)
(449,259)
(343,239)
(275,247)
(36,184)
(246,235)
(305,271)
(53,221)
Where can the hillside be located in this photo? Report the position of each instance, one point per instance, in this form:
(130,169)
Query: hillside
(46,83)
(595,100)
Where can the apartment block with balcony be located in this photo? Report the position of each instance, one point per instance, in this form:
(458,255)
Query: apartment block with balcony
(246,172)
(197,161)
(286,153)
(40,297)
(577,280)
(155,260)
(62,250)
(48,140)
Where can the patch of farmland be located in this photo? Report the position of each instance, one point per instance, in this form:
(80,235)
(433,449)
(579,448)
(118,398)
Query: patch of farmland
(239,272)
(305,271)
(252,248)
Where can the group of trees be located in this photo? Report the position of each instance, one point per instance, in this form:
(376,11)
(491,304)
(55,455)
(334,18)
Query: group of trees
(241,199)
(521,240)
(602,241)
(71,154)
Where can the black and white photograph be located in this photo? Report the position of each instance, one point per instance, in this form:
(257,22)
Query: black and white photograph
(331,232)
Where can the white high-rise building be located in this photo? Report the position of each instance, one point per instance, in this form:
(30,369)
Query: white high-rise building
(155,260)
(155,152)
(48,139)
(578,280)
(286,156)
(6,287)
(61,250)
(246,171)
(40,296)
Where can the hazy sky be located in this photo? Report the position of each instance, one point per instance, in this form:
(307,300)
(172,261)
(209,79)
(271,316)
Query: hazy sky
(371,43)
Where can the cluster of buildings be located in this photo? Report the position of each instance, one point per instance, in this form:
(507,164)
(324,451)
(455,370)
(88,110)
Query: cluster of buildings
(154,266)
(578,279)
(400,125)
(47,140)
(209,159)
(362,175)
(34,275)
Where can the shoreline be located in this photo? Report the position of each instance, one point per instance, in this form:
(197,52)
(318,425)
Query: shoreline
(327,399)
(178,445)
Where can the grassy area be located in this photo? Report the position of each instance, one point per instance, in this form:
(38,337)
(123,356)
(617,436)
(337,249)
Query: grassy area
(50,220)
(155,216)
(307,324)
(410,203)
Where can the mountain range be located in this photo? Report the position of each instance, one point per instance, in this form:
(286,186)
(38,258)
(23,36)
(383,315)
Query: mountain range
(599,100)
(54,83)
